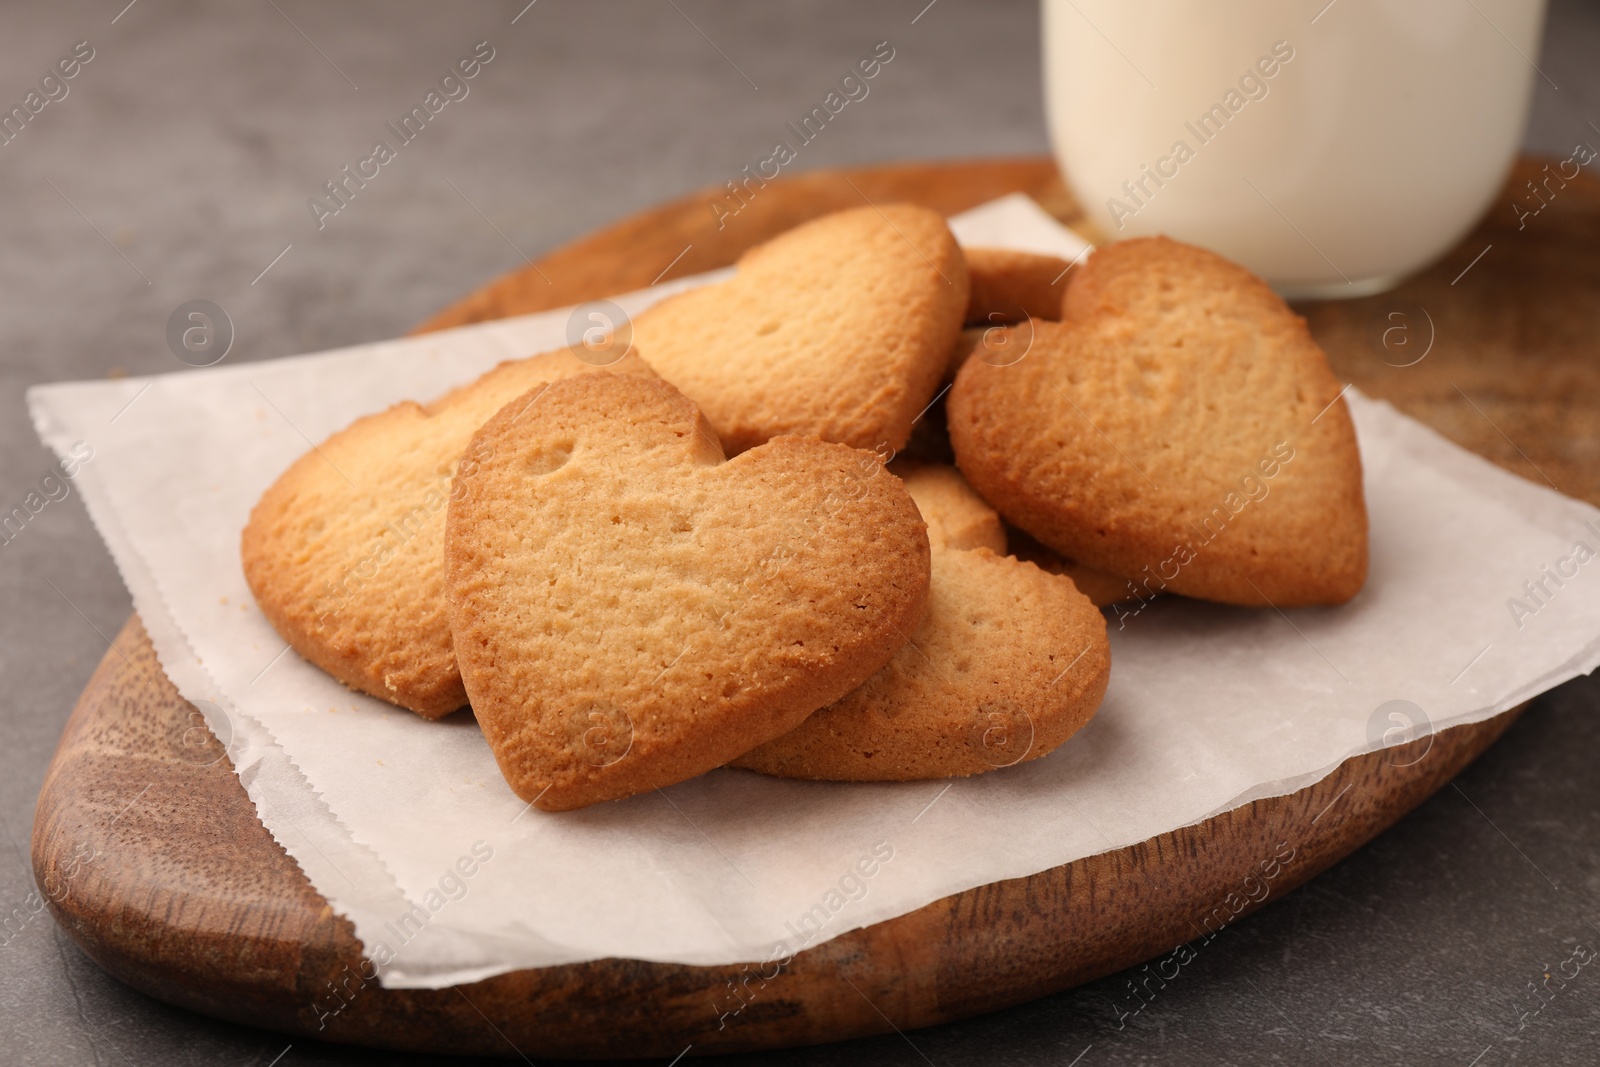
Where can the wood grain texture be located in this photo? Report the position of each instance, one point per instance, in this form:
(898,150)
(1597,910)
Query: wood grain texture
(154,861)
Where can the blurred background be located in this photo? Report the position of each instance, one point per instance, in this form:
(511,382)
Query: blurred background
(178,166)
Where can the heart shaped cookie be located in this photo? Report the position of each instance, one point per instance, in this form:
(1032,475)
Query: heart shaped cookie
(1009,662)
(839,328)
(1179,428)
(345,551)
(630,610)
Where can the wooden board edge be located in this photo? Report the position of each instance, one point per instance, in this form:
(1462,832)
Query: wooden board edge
(963,955)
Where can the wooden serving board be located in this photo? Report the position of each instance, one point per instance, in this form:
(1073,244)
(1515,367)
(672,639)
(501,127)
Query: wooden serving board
(154,861)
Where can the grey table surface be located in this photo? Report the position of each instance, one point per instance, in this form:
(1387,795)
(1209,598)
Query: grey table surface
(178,166)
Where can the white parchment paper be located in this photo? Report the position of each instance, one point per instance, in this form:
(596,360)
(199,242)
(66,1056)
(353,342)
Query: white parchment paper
(407,827)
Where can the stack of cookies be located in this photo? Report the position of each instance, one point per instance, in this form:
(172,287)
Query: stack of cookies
(847,515)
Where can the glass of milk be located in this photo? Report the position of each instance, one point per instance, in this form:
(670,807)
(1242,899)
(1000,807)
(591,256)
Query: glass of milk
(1333,148)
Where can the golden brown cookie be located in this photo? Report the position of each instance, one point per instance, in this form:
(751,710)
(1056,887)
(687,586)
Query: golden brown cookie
(1180,429)
(1009,663)
(344,551)
(630,610)
(998,346)
(1009,286)
(839,328)
(956,516)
